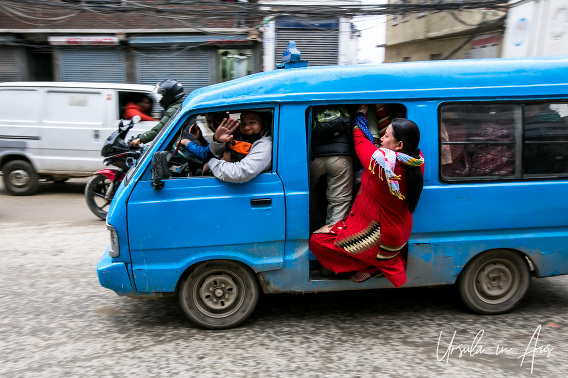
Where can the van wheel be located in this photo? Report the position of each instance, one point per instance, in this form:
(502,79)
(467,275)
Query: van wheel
(219,294)
(494,282)
(20,178)
(95,195)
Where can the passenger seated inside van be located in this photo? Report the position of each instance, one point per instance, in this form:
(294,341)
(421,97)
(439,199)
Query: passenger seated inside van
(193,139)
(254,128)
(140,105)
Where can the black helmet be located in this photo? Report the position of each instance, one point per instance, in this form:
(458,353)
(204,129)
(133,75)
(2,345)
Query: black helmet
(170,90)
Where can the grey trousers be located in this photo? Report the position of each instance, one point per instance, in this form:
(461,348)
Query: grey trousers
(339,170)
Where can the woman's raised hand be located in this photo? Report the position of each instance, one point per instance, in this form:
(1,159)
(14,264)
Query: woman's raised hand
(224,132)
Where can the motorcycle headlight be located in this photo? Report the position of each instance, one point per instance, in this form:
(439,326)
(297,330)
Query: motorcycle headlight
(114,250)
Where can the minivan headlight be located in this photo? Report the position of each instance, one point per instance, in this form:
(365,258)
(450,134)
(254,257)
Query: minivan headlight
(114,249)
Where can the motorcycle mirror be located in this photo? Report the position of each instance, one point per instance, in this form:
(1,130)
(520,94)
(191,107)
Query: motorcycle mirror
(136,119)
(130,162)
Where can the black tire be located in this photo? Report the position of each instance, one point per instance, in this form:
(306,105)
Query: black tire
(219,294)
(20,178)
(95,193)
(494,282)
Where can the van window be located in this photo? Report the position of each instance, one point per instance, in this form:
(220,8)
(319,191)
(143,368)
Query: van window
(546,139)
(125,97)
(15,105)
(74,107)
(499,141)
(189,155)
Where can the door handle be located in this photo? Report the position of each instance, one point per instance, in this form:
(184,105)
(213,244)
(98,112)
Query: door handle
(261,201)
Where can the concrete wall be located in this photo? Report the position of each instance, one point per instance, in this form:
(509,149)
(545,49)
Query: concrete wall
(437,34)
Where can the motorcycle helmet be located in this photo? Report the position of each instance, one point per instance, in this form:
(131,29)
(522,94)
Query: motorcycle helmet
(170,90)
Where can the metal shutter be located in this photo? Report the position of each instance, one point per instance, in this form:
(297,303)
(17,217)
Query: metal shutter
(318,47)
(96,65)
(192,67)
(9,64)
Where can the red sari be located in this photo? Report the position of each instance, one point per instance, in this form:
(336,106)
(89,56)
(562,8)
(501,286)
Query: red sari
(371,237)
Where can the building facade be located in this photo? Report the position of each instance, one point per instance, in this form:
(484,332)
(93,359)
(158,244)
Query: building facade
(112,41)
(443,34)
(143,42)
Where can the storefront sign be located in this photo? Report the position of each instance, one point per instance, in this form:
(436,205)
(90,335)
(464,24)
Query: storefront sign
(93,40)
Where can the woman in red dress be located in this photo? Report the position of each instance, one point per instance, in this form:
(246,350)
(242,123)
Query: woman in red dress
(369,240)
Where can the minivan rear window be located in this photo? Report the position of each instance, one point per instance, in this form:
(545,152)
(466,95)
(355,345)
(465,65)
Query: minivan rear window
(500,141)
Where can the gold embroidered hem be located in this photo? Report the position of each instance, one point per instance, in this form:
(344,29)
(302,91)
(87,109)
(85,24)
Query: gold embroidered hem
(386,252)
(361,241)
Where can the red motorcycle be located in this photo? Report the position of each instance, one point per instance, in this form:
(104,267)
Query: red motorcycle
(101,188)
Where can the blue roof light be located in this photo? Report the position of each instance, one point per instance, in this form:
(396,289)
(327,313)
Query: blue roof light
(291,58)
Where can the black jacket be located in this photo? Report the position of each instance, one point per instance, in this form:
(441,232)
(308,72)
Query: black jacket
(331,132)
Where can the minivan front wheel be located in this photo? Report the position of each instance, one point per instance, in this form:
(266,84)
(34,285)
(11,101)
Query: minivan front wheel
(494,282)
(20,178)
(219,294)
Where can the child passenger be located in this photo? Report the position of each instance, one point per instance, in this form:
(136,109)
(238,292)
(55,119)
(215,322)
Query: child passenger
(236,150)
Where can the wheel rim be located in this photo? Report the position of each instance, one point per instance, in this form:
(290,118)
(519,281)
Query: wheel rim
(496,281)
(100,192)
(19,178)
(219,293)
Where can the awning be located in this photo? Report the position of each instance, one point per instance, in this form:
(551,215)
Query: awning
(190,40)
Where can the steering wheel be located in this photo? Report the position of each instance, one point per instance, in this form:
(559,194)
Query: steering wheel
(177,147)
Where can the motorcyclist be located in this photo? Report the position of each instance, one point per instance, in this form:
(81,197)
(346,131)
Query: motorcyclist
(172,98)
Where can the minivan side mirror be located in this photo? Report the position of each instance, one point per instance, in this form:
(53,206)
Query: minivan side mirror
(160,170)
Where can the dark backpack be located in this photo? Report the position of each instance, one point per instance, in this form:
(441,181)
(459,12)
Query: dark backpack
(329,121)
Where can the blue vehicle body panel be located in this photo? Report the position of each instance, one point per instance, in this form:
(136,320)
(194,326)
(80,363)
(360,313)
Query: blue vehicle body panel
(186,221)
(163,233)
(114,275)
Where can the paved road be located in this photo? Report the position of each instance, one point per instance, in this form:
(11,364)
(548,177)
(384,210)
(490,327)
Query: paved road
(55,319)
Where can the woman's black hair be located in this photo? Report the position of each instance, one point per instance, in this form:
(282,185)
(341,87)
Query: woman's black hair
(407,132)
(138,97)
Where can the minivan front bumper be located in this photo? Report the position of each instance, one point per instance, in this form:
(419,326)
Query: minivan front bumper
(114,275)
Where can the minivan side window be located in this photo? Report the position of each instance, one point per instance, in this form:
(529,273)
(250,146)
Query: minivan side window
(500,141)
(546,139)
(189,154)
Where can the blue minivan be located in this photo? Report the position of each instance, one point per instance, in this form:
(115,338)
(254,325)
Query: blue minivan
(494,135)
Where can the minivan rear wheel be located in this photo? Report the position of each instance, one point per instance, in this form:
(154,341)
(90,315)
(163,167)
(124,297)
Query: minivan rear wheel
(20,178)
(219,294)
(494,282)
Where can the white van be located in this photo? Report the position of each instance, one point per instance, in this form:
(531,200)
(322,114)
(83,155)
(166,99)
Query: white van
(55,131)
